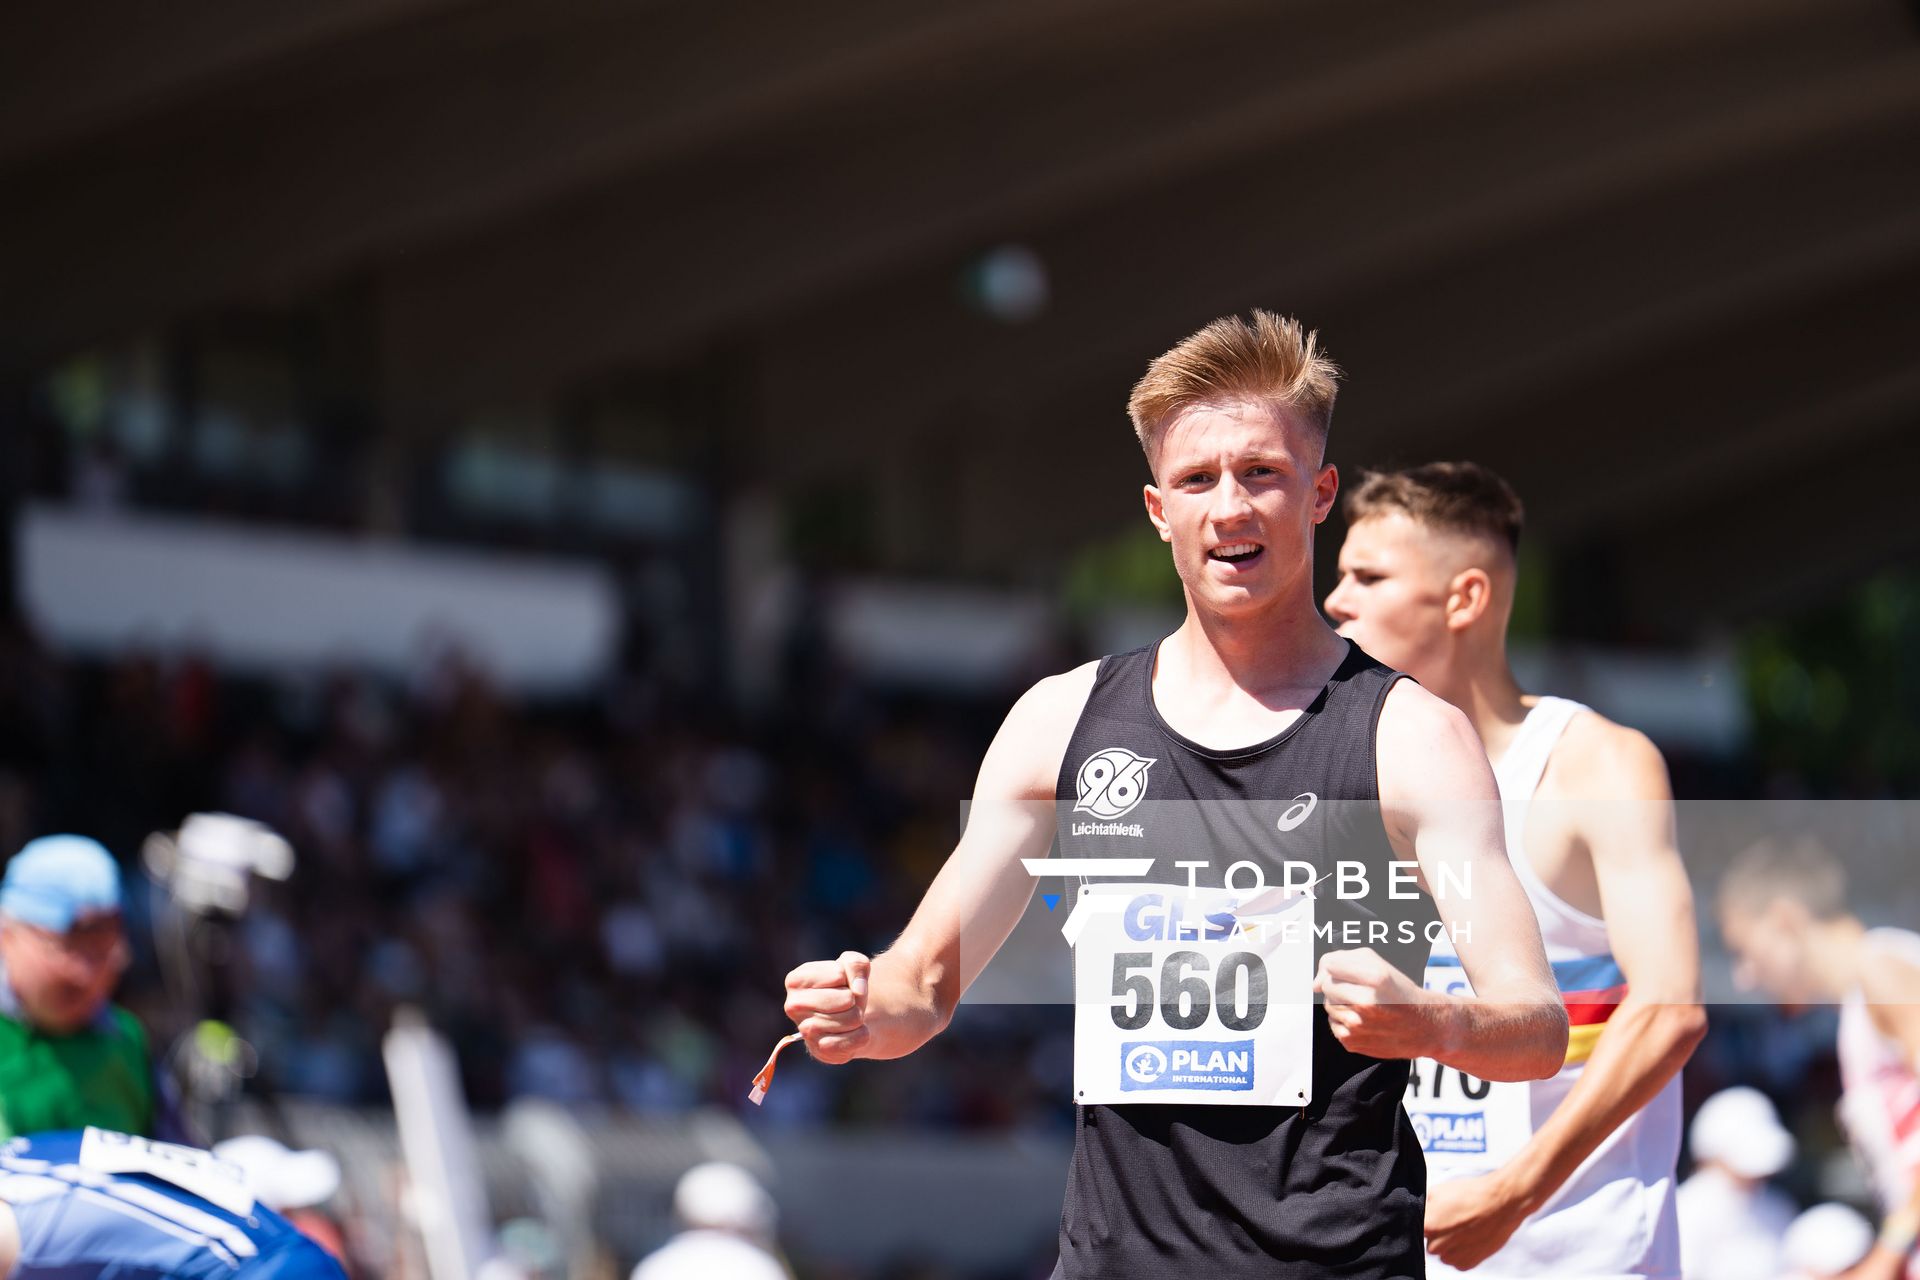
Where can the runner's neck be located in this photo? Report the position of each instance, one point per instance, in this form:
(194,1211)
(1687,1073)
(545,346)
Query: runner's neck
(1835,958)
(1215,661)
(1492,700)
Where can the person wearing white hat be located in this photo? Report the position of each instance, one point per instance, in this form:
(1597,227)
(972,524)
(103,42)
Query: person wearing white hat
(729,1220)
(1826,1242)
(297,1184)
(280,1177)
(1731,1221)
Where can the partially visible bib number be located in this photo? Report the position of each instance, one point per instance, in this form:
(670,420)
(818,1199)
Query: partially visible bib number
(1466,1125)
(1201,997)
(196,1172)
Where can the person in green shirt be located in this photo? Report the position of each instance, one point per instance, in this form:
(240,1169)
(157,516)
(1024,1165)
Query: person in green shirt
(69,1057)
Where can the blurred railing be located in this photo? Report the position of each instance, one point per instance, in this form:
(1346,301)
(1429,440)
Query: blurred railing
(851,1200)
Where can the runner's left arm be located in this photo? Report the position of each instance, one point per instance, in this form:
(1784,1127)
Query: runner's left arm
(1624,815)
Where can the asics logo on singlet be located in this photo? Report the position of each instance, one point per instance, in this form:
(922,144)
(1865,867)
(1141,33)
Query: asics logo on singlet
(1297,811)
(1111,782)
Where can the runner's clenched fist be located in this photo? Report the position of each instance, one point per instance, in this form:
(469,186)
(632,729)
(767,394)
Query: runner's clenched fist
(1374,1008)
(827,1000)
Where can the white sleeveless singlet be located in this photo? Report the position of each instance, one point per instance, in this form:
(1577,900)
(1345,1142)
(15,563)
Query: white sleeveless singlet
(1879,1090)
(1614,1217)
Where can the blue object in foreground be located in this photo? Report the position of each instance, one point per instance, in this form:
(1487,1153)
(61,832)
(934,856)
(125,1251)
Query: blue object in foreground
(103,1206)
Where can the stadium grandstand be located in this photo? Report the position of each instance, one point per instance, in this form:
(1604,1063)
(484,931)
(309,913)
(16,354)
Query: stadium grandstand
(591,479)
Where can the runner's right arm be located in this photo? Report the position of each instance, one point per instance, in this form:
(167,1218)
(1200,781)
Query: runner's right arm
(1440,802)
(890,1005)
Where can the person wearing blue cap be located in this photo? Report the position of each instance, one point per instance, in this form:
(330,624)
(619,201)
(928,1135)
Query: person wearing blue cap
(69,1057)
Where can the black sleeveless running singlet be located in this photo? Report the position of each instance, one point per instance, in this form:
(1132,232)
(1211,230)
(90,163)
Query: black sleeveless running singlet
(1334,1189)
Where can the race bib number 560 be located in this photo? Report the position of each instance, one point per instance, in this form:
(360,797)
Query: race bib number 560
(1192,996)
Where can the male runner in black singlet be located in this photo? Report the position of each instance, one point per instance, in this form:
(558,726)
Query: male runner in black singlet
(1288,746)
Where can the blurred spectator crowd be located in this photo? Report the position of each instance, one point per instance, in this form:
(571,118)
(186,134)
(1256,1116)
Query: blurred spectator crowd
(595,901)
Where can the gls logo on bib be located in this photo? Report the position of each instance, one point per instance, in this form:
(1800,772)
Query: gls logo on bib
(1111,782)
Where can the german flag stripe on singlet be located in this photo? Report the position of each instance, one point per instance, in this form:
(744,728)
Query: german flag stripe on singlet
(1591,986)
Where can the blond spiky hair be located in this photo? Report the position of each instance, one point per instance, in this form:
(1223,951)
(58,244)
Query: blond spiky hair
(1264,359)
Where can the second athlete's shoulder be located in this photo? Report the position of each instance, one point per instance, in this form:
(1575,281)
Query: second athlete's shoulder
(1890,974)
(1612,758)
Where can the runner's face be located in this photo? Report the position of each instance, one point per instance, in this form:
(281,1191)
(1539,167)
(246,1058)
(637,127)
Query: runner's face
(1239,490)
(1391,599)
(1769,949)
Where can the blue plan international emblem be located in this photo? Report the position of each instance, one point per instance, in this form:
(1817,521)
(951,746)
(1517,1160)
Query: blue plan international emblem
(1454,1132)
(1186,1064)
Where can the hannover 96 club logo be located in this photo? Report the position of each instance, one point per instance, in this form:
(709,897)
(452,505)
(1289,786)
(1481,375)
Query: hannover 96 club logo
(1111,782)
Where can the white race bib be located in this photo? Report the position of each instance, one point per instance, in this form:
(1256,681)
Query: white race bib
(194,1171)
(1466,1125)
(1202,997)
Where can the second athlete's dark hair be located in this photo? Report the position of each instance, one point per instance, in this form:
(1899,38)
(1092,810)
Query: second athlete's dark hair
(1464,497)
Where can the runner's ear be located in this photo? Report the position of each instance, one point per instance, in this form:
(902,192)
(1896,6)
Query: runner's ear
(1326,488)
(1156,512)
(1469,597)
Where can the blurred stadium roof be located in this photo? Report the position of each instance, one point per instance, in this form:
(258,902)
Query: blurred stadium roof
(1656,260)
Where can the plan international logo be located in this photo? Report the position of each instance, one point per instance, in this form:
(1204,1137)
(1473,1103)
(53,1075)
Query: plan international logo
(1187,1064)
(1453,1132)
